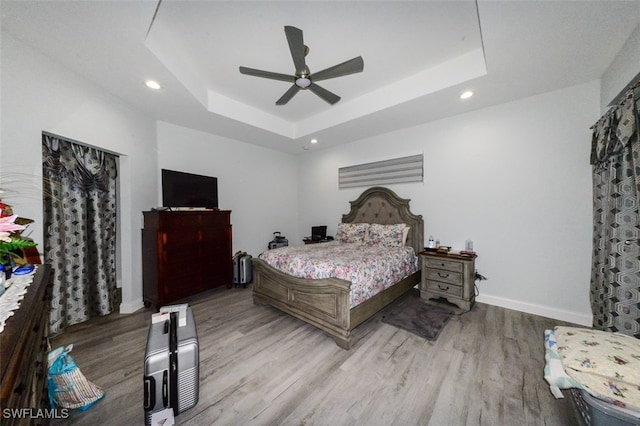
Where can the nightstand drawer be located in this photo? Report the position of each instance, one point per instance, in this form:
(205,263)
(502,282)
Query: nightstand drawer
(444,288)
(444,276)
(449,265)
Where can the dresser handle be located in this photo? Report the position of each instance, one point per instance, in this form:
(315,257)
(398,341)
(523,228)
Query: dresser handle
(443,288)
(443,276)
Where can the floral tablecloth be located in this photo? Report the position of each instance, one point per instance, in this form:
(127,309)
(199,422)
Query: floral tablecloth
(16,288)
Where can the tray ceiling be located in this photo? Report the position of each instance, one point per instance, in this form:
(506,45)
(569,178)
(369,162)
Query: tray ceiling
(418,57)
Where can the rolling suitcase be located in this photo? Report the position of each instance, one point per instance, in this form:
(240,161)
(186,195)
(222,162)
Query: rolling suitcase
(242,269)
(171,363)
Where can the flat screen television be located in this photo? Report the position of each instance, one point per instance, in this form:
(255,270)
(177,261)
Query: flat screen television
(180,189)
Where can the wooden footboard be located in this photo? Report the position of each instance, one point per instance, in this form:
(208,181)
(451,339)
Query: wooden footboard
(322,303)
(325,303)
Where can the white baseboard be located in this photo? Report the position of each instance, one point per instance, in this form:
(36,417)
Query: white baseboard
(131,307)
(544,311)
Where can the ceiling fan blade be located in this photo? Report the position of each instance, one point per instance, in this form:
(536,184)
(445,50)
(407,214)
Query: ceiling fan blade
(324,94)
(288,95)
(351,66)
(296,46)
(267,74)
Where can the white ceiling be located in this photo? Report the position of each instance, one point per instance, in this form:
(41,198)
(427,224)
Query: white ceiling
(418,55)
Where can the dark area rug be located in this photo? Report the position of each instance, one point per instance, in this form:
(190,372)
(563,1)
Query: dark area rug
(417,316)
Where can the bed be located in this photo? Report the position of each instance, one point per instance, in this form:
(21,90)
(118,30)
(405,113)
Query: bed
(326,303)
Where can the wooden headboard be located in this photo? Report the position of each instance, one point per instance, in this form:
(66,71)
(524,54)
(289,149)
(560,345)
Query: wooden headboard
(383,206)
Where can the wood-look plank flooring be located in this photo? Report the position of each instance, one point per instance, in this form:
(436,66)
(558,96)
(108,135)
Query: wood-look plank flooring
(259,366)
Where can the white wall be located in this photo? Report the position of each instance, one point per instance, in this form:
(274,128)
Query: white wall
(258,185)
(514,178)
(625,66)
(40,95)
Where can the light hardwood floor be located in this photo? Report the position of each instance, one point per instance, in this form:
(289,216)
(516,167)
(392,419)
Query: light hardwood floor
(259,366)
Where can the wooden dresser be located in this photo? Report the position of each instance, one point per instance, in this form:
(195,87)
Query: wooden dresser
(23,353)
(450,276)
(185,253)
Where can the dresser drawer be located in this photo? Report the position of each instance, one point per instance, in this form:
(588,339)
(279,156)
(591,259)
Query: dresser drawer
(448,265)
(445,288)
(442,275)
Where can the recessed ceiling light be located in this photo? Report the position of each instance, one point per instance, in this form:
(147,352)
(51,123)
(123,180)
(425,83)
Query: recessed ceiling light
(152,84)
(314,140)
(466,95)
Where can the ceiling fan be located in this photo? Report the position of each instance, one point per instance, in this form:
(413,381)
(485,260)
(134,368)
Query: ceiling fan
(303,79)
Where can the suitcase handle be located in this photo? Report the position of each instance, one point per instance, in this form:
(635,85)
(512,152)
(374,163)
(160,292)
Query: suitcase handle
(165,389)
(173,362)
(149,393)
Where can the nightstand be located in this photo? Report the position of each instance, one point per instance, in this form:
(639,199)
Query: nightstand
(451,276)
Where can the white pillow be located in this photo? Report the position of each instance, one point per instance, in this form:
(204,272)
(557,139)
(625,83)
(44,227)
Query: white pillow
(405,234)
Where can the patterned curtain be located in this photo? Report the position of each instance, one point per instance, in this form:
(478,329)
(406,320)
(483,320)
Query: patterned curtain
(615,273)
(79,184)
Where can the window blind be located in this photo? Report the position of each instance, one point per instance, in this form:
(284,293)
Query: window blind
(397,170)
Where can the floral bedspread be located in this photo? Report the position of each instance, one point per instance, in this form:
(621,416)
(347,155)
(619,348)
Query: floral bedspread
(605,364)
(369,268)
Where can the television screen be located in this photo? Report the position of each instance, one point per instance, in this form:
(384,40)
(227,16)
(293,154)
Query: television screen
(180,189)
(318,233)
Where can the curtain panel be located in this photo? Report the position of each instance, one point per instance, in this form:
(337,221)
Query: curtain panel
(79,183)
(615,273)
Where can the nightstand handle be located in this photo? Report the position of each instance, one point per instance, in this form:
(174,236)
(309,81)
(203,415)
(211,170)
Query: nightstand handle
(443,275)
(443,288)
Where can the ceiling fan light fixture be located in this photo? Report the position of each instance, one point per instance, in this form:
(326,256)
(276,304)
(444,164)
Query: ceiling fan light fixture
(303,82)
